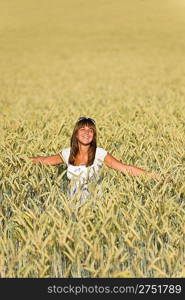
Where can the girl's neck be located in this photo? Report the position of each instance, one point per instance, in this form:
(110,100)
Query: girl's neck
(83,150)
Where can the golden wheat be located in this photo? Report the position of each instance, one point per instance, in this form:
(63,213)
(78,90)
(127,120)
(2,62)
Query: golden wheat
(123,65)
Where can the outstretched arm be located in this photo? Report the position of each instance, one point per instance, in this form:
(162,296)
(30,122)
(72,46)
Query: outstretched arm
(47,160)
(113,163)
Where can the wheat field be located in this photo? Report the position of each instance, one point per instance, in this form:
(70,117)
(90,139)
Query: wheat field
(121,63)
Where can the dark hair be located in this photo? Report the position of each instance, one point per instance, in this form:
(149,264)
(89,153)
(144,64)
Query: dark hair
(83,121)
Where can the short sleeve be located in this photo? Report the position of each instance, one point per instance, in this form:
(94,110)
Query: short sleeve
(64,153)
(100,153)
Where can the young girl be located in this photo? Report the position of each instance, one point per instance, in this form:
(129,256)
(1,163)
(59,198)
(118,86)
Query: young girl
(84,160)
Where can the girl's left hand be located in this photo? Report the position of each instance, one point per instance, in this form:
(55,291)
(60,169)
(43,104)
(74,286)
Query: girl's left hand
(164,177)
(167,177)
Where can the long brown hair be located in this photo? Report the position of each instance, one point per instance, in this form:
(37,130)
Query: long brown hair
(74,142)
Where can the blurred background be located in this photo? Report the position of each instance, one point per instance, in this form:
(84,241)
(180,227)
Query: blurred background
(80,53)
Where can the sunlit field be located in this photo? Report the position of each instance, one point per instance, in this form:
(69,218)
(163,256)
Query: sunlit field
(121,63)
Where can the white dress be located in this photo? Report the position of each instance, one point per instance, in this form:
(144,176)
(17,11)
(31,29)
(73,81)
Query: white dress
(82,177)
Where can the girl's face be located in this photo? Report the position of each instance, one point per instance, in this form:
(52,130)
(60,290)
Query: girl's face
(85,135)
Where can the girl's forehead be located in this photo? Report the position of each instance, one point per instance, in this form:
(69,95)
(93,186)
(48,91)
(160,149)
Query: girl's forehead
(86,126)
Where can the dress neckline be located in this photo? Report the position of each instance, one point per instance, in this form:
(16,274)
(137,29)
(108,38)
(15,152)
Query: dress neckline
(78,165)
